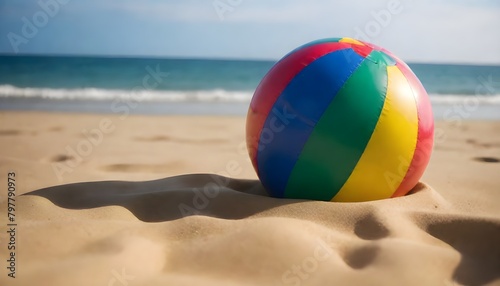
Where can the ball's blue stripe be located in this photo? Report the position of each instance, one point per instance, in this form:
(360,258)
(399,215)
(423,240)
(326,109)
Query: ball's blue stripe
(296,112)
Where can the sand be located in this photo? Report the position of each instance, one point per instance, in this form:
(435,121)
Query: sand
(150,202)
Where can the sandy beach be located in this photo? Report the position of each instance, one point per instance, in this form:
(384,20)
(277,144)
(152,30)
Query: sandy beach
(174,200)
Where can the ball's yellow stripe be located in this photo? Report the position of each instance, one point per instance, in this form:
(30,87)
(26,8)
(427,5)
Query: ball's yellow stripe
(385,162)
(351,41)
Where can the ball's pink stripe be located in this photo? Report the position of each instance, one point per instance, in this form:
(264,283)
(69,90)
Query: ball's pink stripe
(425,136)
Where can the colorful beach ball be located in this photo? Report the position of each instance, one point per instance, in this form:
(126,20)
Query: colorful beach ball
(340,120)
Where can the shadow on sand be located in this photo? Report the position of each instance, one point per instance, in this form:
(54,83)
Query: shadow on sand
(216,196)
(170,198)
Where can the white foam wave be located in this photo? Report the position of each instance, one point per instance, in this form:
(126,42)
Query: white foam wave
(108,95)
(465,99)
(216,95)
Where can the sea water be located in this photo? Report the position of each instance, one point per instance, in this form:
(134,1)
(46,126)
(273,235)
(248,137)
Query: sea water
(203,86)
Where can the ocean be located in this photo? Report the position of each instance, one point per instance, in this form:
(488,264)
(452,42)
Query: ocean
(202,86)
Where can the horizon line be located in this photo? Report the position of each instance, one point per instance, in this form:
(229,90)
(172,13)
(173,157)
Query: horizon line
(118,56)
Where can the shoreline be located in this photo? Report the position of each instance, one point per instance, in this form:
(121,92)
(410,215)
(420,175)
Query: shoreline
(442,112)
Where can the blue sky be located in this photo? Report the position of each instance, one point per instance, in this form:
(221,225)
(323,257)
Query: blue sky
(458,31)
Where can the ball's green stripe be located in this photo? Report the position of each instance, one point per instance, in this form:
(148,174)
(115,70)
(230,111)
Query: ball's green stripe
(341,135)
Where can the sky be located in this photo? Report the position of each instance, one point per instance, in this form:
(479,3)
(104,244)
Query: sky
(442,31)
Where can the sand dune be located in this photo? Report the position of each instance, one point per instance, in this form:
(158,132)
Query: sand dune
(208,229)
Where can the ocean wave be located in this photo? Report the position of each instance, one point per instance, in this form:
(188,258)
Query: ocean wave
(216,95)
(140,95)
(465,99)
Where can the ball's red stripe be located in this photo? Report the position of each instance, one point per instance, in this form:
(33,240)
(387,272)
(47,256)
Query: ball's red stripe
(363,51)
(425,137)
(288,67)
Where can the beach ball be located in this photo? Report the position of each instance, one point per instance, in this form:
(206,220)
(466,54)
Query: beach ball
(340,120)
